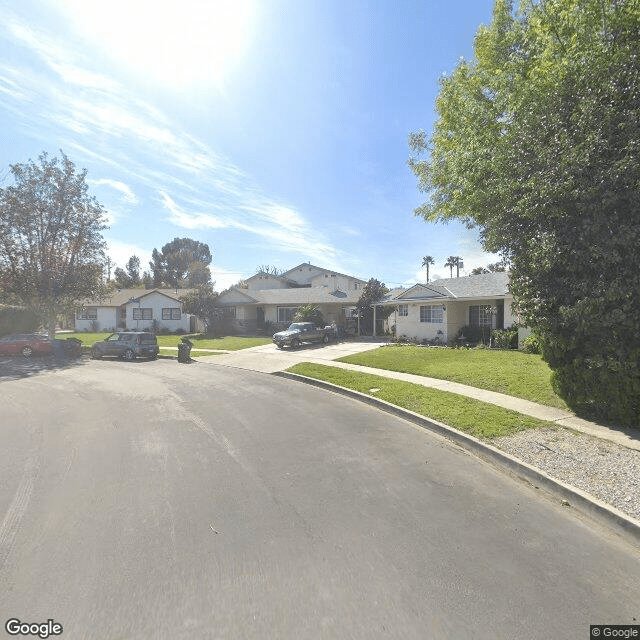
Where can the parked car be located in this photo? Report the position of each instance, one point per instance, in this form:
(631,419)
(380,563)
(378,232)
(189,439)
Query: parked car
(128,345)
(300,332)
(25,344)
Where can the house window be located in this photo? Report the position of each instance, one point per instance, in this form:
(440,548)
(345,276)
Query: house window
(230,312)
(285,314)
(142,313)
(88,313)
(480,315)
(431,313)
(171,313)
(403,309)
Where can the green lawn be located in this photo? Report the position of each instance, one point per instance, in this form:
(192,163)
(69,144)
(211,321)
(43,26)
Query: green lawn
(227,343)
(511,372)
(474,417)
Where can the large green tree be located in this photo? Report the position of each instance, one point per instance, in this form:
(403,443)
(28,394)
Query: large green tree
(537,144)
(51,245)
(373,292)
(183,262)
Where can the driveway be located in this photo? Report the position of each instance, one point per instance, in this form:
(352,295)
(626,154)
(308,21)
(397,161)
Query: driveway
(268,358)
(156,500)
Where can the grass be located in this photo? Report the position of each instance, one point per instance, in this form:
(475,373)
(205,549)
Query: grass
(479,419)
(510,372)
(226,343)
(172,353)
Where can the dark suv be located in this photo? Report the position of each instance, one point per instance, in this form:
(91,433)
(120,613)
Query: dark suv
(128,345)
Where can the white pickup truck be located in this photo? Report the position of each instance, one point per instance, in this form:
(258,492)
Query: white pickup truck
(300,332)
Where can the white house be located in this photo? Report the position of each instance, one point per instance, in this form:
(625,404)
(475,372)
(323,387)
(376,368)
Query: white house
(441,308)
(267,298)
(136,310)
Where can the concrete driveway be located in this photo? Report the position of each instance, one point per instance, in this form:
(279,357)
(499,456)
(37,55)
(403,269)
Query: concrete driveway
(268,358)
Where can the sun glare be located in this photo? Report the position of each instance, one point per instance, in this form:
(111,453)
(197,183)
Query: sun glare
(176,43)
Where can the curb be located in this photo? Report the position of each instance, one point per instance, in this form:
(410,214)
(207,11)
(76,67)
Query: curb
(624,525)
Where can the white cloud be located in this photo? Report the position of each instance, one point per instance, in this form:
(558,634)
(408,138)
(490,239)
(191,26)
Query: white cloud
(127,193)
(120,252)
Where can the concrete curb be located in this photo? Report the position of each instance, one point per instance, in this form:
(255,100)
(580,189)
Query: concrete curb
(624,525)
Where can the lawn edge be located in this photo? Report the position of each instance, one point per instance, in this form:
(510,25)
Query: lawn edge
(623,524)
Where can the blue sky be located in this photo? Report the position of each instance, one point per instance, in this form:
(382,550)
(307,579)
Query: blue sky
(273,130)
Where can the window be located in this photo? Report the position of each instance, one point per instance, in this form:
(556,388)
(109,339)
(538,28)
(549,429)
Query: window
(88,313)
(431,313)
(171,313)
(285,314)
(142,314)
(230,312)
(480,315)
(403,309)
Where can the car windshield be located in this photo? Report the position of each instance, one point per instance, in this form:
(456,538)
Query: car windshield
(297,326)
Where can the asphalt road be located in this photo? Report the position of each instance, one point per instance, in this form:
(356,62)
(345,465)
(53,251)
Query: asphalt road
(153,500)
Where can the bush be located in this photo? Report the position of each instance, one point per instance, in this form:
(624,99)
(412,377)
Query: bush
(532,344)
(474,335)
(505,338)
(17,320)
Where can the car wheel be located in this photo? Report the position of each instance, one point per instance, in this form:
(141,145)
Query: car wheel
(27,351)
(325,338)
(129,355)
(295,343)
(95,353)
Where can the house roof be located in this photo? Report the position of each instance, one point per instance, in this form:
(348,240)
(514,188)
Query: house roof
(295,297)
(321,269)
(485,285)
(118,297)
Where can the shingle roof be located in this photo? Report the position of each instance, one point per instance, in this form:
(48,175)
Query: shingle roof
(119,297)
(303,295)
(486,285)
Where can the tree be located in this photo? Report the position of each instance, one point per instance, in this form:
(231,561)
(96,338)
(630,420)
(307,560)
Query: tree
(269,269)
(536,146)
(131,277)
(372,292)
(309,313)
(202,302)
(454,261)
(426,261)
(183,262)
(51,245)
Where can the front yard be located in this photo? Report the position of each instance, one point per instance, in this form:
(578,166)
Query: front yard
(510,372)
(225,343)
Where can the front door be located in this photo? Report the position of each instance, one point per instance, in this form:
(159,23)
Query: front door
(260,317)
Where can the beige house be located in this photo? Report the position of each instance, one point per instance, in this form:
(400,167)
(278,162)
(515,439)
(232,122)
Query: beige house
(137,310)
(267,298)
(441,308)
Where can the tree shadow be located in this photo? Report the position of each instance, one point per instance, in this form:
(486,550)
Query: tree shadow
(17,367)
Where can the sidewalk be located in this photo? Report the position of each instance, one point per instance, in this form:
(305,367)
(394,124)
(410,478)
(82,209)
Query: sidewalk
(269,359)
(626,438)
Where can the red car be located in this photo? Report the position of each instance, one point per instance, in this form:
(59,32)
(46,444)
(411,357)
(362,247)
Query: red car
(25,344)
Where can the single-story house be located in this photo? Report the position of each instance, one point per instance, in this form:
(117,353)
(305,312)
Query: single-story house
(439,309)
(274,299)
(137,310)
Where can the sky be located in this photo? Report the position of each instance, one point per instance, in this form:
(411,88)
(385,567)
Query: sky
(275,131)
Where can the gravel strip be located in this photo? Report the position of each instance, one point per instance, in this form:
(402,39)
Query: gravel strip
(606,470)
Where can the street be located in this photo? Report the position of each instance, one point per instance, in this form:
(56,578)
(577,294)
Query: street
(156,500)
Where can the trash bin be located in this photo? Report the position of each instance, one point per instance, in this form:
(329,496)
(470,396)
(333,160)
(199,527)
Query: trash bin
(184,350)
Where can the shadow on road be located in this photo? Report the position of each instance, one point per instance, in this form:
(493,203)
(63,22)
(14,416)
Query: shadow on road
(14,368)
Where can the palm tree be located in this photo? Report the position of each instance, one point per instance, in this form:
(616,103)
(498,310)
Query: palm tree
(451,262)
(426,261)
(454,261)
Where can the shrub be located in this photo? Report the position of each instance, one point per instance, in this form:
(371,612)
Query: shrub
(17,320)
(475,335)
(532,344)
(505,338)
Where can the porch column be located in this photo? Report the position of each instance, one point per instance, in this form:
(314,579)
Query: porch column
(374,320)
